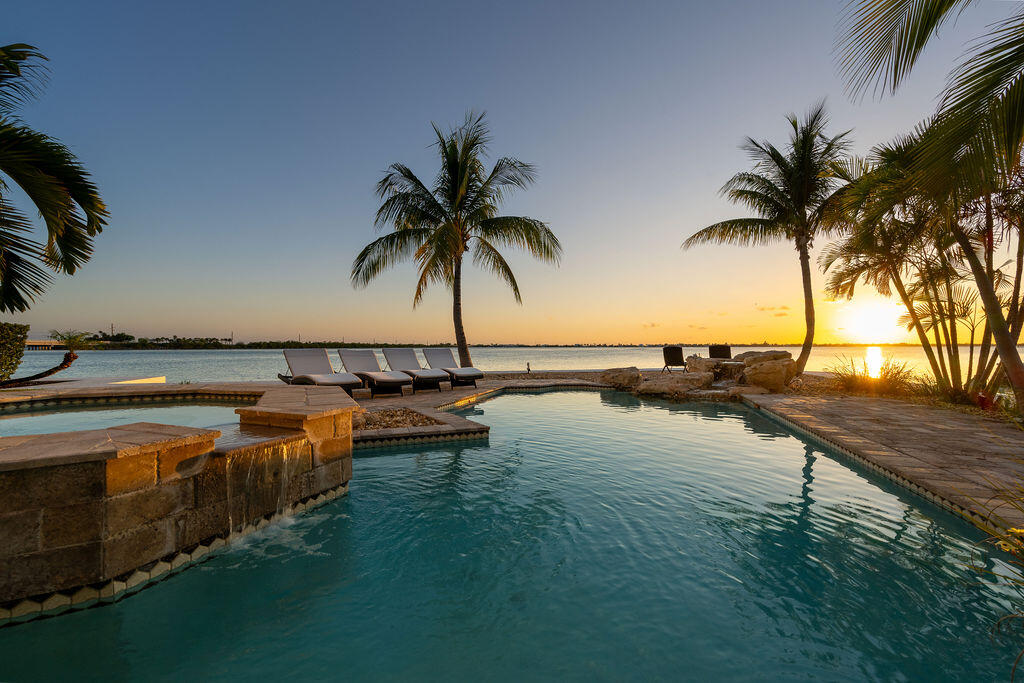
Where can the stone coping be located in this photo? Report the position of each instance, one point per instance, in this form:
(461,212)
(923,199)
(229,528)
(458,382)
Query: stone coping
(65,448)
(272,400)
(969,465)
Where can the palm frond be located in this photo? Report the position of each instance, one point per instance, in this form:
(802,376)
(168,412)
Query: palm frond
(488,258)
(21,278)
(881,40)
(741,231)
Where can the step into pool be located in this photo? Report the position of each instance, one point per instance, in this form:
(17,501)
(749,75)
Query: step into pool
(593,537)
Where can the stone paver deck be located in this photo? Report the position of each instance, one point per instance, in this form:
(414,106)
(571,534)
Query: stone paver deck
(970,464)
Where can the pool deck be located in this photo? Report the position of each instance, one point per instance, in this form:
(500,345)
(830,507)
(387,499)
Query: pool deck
(969,464)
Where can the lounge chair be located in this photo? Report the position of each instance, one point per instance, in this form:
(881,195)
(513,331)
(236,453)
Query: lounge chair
(404,360)
(673,354)
(313,366)
(363,364)
(444,359)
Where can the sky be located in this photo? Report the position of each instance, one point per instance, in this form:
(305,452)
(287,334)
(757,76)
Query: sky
(238,145)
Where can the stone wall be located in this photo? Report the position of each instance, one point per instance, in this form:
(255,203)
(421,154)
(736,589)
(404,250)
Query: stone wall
(84,514)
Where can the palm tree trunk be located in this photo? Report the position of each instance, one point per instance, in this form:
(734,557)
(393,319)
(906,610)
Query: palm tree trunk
(460,332)
(805,272)
(922,336)
(1013,367)
(69,358)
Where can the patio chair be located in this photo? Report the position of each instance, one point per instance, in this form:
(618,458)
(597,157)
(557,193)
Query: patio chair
(363,364)
(720,351)
(313,366)
(404,360)
(444,359)
(673,355)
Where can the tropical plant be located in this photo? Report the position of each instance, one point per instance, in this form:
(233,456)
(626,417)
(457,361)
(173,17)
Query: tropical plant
(924,240)
(970,152)
(790,190)
(892,378)
(53,181)
(437,226)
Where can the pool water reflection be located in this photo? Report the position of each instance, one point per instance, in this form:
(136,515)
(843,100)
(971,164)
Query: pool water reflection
(596,536)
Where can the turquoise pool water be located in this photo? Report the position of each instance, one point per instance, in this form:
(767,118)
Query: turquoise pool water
(594,537)
(75,418)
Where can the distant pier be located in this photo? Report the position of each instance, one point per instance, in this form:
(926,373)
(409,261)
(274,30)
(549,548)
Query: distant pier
(42,345)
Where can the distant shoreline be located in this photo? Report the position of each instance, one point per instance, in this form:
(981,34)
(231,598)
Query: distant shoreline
(191,345)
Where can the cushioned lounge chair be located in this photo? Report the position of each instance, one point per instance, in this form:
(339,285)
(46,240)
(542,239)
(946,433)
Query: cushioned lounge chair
(404,360)
(444,359)
(313,366)
(363,364)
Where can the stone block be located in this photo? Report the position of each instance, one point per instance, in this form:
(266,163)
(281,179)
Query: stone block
(42,486)
(20,532)
(331,475)
(72,524)
(201,523)
(183,461)
(210,485)
(130,510)
(329,450)
(137,547)
(50,570)
(130,474)
(318,429)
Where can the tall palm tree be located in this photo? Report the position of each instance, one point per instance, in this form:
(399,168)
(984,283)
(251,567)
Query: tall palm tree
(52,179)
(437,226)
(789,190)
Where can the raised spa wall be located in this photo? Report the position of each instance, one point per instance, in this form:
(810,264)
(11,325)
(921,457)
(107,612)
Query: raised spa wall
(86,516)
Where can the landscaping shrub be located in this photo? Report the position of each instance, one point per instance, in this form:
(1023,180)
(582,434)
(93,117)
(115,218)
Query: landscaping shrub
(12,347)
(893,378)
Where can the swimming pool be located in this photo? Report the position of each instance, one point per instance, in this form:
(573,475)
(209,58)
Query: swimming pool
(594,536)
(94,415)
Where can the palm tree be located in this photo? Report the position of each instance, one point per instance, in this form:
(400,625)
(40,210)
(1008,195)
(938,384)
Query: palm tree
(789,190)
(52,179)
(437,226)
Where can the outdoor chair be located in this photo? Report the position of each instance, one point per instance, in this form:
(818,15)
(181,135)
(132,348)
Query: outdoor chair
(673,355)
(313,366)
(720,351)
(444,359)
(363,364)
(404,360)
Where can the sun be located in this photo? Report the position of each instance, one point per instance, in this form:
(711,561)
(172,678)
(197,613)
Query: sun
(871,322)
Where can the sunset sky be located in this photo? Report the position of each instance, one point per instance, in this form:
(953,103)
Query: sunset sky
(238,144)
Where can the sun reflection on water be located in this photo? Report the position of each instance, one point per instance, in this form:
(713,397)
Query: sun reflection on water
(873,361)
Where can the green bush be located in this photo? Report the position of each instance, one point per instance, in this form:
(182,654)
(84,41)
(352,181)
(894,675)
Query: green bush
(893,378)
(12,346)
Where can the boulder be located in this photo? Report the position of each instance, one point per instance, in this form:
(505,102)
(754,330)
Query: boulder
(698,364)
(773,375)
(676,384)
(754,357)
(625,379)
